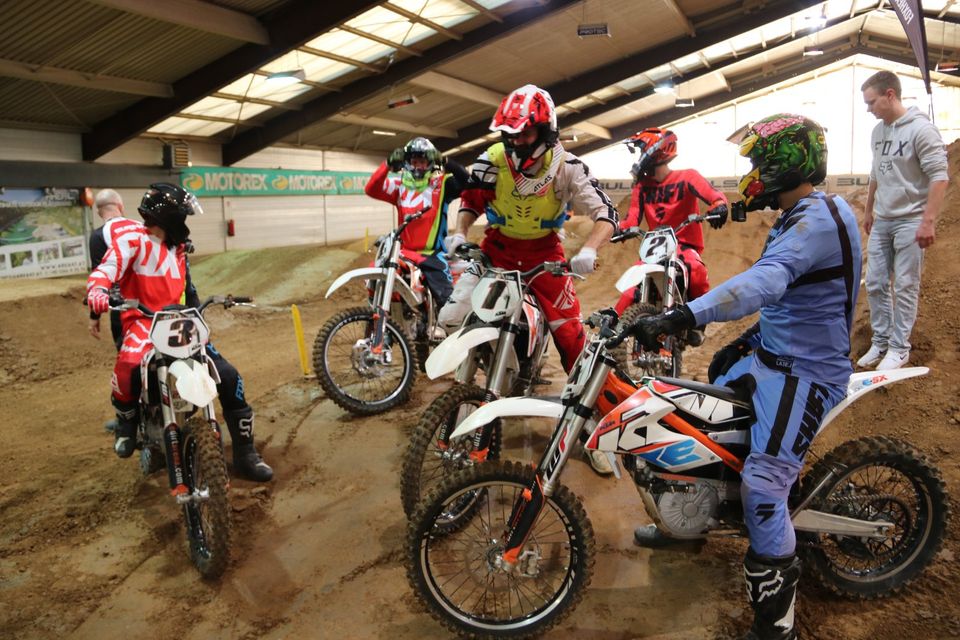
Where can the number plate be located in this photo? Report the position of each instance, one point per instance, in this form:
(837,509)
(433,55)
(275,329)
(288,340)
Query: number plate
(179,334)
(497,295)
(658,245)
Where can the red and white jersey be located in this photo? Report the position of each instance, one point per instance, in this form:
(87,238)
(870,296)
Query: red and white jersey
(143,267)
(671,202)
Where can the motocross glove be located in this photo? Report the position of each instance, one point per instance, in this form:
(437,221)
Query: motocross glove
(98,300)
(395,160)
(648,329)
(453,241)
(584,262)
(731,354)
(721,211)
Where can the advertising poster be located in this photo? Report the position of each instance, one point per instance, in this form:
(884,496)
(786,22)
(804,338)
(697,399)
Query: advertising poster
(41,233)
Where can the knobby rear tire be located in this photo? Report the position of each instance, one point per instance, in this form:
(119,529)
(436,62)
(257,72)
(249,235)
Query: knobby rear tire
(918,546)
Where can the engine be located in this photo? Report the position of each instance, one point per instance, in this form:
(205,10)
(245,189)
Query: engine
(687,509)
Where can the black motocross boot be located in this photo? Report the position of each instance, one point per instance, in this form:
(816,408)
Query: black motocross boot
(125,433)
(246,461)
(772,589)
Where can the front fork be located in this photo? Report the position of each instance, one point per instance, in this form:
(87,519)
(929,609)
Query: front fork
(495,379)
(530,502)
(172,440)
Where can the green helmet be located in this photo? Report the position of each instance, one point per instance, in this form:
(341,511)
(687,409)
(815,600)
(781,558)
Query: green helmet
(786,150)
(421,149)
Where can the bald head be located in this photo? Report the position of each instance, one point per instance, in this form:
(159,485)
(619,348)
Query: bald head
(109,204)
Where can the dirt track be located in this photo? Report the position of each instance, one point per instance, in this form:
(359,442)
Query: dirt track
(89,549)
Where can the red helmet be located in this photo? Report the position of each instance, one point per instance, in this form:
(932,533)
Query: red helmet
(657,146)
(529,106)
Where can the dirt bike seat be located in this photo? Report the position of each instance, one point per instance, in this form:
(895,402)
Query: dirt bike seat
(724,393)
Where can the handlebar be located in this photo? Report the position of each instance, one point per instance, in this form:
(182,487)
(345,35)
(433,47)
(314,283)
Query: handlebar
(119,303)
(636,232)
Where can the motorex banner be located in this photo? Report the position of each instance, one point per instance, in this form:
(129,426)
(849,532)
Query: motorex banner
(229,181)
(910,13)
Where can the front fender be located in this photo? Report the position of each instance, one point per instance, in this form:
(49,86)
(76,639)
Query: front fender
(451,352)
(194,383)
(376,273)
(508,407)
(637,274)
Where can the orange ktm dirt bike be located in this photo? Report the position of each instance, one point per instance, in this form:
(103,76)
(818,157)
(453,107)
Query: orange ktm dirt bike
(870,515)
(662,280)
(506,336)
(366,358)
(178,426)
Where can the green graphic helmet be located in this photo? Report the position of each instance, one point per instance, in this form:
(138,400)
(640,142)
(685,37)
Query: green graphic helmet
(786,150)
(420,160)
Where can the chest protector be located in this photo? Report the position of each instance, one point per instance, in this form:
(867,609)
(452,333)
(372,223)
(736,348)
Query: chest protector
(523,217)
(425,234)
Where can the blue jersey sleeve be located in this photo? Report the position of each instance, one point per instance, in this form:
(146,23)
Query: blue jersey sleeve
(790,252)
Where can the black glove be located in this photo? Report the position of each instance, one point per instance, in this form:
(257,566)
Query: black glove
(648,329)
(395,160)
(721,211)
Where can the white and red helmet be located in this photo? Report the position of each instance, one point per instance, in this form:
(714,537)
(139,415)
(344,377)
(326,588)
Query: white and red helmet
(529,106)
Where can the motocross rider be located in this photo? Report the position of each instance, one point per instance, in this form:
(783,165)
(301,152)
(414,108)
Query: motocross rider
(522,185)
(795,361)
(668,196)
(149,263)
(422,184)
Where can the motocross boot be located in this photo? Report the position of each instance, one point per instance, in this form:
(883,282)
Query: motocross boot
(246,461)
(125,433)
(650,537)
(771,589)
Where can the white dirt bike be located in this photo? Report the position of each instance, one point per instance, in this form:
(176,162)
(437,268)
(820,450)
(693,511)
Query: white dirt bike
(506,335)
(870,515)
(178,426)
(366,358)
(662,281)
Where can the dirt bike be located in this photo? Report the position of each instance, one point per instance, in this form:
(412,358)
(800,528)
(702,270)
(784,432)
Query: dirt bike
(178,426)
(506,335)
(870,514)
(366,358)
(662,280)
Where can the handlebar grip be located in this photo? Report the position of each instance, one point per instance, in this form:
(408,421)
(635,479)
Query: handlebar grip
(241,299)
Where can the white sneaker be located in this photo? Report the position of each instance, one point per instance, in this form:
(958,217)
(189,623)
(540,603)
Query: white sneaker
(599,462)
(871,357)
(894,360)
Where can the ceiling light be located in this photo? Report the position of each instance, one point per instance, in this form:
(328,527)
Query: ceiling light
(285,78)
(947,65)
(812,51)
(664,88)
(683,103)
(394,103)
(381,132)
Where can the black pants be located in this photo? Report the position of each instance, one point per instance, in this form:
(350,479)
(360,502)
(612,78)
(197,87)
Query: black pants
(436,273)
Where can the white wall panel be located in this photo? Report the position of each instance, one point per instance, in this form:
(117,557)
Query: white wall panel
(350,217)
(284,158)
(275,221)
(346,161)
(149,151)
(209,231)
(39,146)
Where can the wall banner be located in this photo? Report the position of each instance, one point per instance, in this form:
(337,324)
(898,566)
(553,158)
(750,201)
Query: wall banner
(230,181)
(41,233)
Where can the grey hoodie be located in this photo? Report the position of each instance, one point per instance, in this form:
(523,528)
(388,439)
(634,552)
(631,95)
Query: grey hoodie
(907,156)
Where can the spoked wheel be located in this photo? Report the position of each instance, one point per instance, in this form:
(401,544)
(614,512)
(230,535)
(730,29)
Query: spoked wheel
(432,456)
(638,362)
(461,575)
(206,509)
(353,374)
(883,480)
